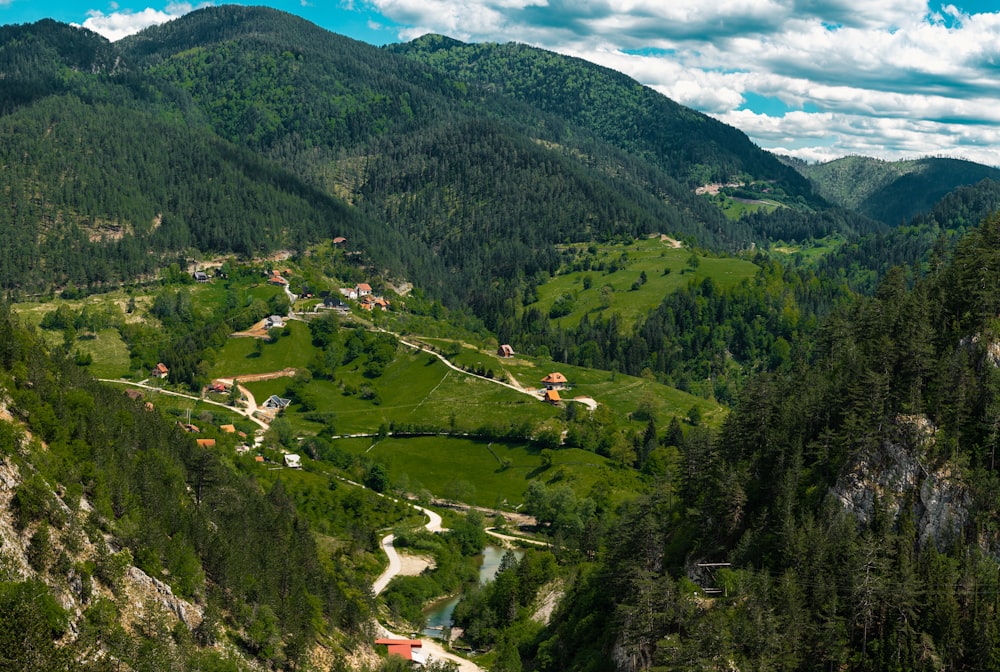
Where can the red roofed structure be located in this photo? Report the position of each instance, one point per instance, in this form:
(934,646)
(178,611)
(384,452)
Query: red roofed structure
(555,381)
(401,647)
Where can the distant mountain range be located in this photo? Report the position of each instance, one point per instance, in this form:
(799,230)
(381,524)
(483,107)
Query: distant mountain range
(891,191)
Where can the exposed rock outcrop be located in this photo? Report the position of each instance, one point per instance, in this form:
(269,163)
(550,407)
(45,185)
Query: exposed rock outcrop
(896,474)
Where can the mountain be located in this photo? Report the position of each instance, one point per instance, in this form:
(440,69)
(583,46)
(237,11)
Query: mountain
(458,186)
(892,191)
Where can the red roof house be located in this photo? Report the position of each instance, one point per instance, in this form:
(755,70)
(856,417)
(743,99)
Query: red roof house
(552,397)
(400,647)
(555,381)
(160,371)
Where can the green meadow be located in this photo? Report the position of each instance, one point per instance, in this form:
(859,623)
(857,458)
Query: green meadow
(239,356)
(415,389)
(580,286)
(483,473)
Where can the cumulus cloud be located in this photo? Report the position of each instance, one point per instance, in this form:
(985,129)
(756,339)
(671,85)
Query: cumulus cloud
(893,78)
(122,23)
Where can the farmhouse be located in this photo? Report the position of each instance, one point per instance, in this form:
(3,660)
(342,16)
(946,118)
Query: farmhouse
(160,371)
(555,381)
(276,279)
(363,289)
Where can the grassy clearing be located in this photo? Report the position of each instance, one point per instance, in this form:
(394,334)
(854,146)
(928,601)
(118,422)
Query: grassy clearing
(666,269)
(111,357)
(472,471)
(416,388)
(239,356)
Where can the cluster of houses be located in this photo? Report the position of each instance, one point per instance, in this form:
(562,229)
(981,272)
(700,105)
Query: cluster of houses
(363,293)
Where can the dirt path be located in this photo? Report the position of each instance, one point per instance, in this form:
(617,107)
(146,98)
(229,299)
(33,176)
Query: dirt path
(244,412)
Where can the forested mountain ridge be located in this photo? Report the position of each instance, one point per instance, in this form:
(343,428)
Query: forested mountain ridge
(692,147)
(428,164)
(891,191)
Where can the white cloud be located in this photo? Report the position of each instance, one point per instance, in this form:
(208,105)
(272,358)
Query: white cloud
(884,78)
(119,24)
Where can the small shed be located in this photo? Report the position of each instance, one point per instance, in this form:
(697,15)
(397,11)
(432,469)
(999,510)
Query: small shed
(552,397)
(505,351)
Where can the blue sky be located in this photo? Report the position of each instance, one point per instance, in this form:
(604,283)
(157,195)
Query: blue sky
(816,79)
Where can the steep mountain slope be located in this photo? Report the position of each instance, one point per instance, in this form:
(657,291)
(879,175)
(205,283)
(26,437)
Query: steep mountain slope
(690,146)
(892,191)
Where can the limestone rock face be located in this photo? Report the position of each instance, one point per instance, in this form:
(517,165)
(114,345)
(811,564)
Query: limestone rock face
(896,474)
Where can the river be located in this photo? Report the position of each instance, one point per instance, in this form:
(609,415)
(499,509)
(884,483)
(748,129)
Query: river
(439,613)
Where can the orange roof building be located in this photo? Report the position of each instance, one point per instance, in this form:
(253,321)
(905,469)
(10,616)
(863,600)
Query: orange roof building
(206,443)
(401,647)
(228,429)
(555,381)
(551,396)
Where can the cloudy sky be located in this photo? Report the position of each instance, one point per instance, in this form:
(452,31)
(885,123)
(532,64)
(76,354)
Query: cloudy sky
(816,79)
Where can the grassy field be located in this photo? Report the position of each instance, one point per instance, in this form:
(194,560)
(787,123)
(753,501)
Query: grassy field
(621,393)
(239,356)
(111,357)
(473,472)
(416,388)
(667,269)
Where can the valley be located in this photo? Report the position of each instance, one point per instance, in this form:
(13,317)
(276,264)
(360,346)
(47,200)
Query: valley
(273,299)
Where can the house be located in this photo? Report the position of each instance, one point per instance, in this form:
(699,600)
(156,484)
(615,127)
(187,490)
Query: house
(160,371)
(363,289)
(372,302)
(200,276)
(552,397)
(219,387)
(206,443)
(293,461)
(404,648)
(276,279)
(339,240)
(334,303)
(228,429)
(505,351)
(274,321)
(258,458)
(349,292)
(555,381)
(277,403)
